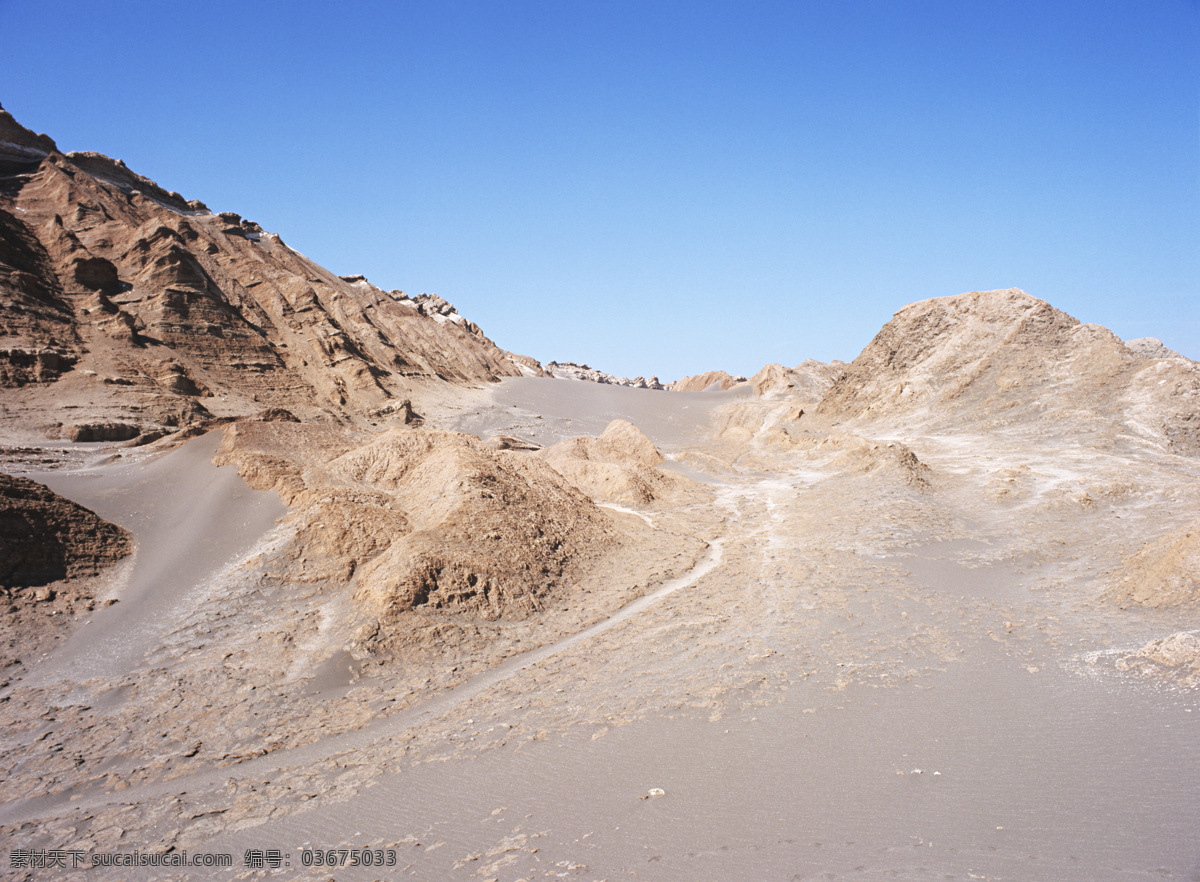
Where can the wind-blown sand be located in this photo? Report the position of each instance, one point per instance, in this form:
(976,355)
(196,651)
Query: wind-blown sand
(190,520)
(866,676)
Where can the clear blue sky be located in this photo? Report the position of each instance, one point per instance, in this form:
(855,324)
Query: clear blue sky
(665,187)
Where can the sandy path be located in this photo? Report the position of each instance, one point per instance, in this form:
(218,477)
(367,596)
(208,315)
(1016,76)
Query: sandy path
(358,739)
(189,521)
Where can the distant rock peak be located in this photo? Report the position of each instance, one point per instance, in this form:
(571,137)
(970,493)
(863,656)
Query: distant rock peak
(1151,347)
(707,380)
(430,305)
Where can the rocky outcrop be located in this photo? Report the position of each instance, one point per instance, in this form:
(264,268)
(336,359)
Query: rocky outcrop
(1174,658)
(807,381)
(889,458)
(38,339)
(45,538)
(569,370)
(1150,347)
(1164,573)
(102,432)
(707,380)
(528,365)
(124,296)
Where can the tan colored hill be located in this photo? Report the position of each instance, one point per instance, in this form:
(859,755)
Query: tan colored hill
(1003,358)
(424,527)
(123,302)
(420,517)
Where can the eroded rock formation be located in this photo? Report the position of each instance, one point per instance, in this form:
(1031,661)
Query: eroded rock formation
(127,298)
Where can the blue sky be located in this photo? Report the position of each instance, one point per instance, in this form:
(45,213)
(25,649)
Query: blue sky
(665,187)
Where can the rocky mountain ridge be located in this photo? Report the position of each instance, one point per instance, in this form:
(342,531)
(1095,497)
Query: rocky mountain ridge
(569,370)
(145,308)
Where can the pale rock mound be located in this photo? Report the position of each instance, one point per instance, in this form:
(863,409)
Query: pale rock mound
(782,396)
(527,365)
(807,381)
(707,380)
(999,358)
(742,422)
(890,458)
(621,466)
(1150,347)
(772,380)
(1175,657)
(1164,573)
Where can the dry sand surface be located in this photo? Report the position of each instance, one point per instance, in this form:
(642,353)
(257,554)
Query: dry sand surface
(928,614)
(823,651)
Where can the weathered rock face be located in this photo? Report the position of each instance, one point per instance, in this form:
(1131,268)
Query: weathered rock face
(998,358)
(45,538)
(128,298)
(38,341)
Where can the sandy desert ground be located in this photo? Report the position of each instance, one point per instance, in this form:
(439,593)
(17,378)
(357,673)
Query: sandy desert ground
(895,652)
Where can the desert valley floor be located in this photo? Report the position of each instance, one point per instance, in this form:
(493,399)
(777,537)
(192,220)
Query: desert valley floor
(838,656)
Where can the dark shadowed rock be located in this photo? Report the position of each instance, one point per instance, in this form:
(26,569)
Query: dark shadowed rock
(102,432)
(45,538)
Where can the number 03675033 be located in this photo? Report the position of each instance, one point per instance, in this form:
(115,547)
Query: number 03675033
(348,857)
